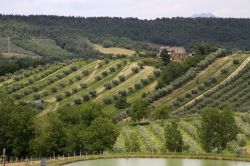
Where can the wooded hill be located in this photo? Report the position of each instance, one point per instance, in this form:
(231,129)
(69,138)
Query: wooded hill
(227,32)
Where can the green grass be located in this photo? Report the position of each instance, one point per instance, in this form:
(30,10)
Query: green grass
(114,50)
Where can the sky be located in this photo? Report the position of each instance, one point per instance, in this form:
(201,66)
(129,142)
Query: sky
(143,9)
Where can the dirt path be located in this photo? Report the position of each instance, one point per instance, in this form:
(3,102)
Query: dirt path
(215,87)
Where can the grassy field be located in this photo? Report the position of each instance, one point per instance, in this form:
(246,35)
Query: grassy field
(114,50)
(14,50)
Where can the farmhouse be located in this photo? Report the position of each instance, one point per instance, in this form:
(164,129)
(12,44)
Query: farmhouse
(176,53)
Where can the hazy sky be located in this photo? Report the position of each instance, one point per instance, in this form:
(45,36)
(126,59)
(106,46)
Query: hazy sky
(147,9)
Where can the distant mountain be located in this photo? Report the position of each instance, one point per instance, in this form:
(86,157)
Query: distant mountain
(203,15)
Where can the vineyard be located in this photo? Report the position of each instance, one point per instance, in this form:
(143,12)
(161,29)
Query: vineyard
(79,82)
(114,83)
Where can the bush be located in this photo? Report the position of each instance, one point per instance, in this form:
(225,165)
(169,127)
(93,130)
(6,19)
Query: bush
(115,82)
(119,65)
(145,81)
(201,87)
(73,68)
(93,93)
(98,78)
(78,101)
(121,103)
(44,94)
(236,61)
(37,97)
(107,101)
(74,90)
(78,77)
(35,89)
(194,91)
(135,70)
(59,97)
(122,93)
(53,90)
(188,95)
(104,73)
(85,72)
(224,71)
(62,85)
(71,81)
(112,69)
(138,86)
(115,97)
(67,93)
(121,78)
(83,85)
(108,86)
(86,97)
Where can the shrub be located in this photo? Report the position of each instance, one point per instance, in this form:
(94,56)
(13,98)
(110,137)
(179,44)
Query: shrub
(118,65)
(115,97)
(188,95)
(37,97)
(98,78)
(108,86)
(104,73)
(93,93)
(236,61)
(83,85)
(201,87)
(121,103)
(122,93)
(241,140)
(74,90)
(59,97)
(85,72)
(144,94)
(71,81)
(135,70)
(78,101)
(53,90)
(86,97)
(62,85)
(180,99)
(138,86)
(44,94)
(115,82)
(224,71)
(122,78)
(78,77)
(145,81)
(73,68)
(107,101)
(67,93)
(194,91)
(112,69)
(35,89)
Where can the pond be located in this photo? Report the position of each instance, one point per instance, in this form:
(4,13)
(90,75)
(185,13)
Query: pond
(157,162)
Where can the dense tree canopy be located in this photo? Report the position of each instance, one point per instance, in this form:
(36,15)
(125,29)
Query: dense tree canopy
(228,32)
(217,129)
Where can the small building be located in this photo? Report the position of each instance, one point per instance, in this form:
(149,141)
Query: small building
(176,53)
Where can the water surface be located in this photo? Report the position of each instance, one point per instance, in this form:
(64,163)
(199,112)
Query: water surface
(157,162)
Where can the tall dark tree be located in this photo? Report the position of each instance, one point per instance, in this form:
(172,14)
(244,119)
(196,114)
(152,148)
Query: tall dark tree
(173,137)
(166,57)
(217,129)
(17,127)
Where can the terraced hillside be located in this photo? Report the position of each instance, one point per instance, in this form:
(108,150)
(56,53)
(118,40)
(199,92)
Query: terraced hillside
(80,82)
(201,82)
(104,81)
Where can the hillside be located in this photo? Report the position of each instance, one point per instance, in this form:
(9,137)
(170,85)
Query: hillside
(230,33)
(65,91)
